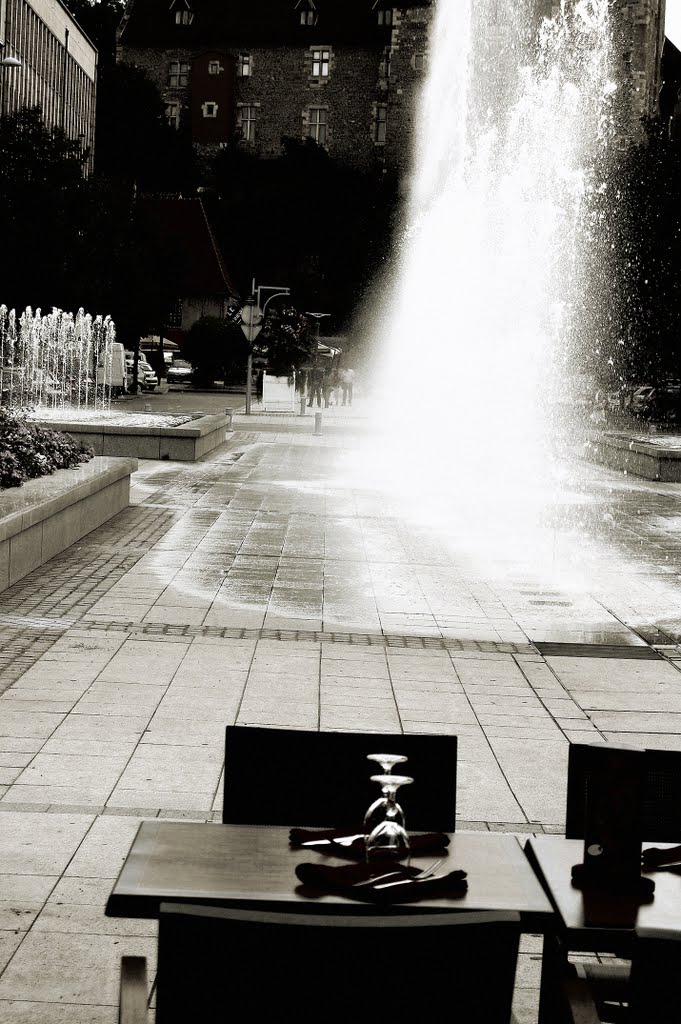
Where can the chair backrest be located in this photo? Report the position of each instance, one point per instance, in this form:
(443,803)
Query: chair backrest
(653,988)
(322,779)
(661,787)
(215,964)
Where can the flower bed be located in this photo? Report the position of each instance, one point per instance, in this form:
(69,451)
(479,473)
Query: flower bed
(28,451)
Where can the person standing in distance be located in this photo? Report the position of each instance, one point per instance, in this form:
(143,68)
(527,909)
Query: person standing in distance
(347,379)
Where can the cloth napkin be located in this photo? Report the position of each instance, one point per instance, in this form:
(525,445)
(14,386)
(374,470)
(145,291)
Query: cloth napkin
(346,879)
(668,860)
(422,842)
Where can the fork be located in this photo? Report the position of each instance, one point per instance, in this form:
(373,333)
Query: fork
(431,873)
(426,873)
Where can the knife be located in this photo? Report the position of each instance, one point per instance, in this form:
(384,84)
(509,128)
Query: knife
(341,841)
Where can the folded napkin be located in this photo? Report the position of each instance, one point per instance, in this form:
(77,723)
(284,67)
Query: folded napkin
(654,857)
(348,880)
(331,841)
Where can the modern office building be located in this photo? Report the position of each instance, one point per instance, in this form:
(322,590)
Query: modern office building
(58,68)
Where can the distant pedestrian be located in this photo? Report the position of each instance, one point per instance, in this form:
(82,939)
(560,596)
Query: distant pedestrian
(347,379)
(315,381)
(331,388)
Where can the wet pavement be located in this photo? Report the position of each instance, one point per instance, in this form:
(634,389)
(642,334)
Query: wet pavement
(278,582)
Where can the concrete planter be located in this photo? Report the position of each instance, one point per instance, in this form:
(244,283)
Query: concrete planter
(185,443)
(47,515)
(655,459)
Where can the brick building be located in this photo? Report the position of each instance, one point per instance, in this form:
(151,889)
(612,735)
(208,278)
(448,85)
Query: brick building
(343,72)
(58,69)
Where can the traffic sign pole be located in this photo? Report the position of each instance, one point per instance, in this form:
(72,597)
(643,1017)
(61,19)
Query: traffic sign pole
(251,316)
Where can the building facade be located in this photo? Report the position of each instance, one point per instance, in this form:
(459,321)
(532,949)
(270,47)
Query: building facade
(58,70)
(342,72)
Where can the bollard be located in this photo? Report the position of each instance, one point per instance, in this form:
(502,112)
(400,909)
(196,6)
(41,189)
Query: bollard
(317,423)
(302,405)
(228,414)
(147,407)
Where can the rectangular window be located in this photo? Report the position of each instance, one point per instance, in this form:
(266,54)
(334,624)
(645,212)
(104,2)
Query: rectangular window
(214,67)
(183,17)
(173,114)
(308,17)
(247,122)
(317,123)
(178,74)
(243,67)
(320,63)
(380,121)
(385,17)
(418,61)
(210,109)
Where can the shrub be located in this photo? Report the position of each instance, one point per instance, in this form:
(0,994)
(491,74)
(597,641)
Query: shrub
(27,451)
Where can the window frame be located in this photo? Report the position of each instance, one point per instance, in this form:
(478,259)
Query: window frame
(182,76)
(214,107)
(244,61)
(380,123)
(318,125)
(247,123)
(214,67)
(321,62)
(173,117)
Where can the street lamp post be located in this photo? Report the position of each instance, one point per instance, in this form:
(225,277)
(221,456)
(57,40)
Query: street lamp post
(252,316)
(5,63)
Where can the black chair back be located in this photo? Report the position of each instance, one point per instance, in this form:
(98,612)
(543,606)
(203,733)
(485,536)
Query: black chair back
(215,964)
(653,993)
(322,779)
(661,787)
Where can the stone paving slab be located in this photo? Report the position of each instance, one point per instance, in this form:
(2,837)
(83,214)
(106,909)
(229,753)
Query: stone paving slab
(262,585)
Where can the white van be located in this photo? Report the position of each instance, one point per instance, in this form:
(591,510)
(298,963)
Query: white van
(112,374)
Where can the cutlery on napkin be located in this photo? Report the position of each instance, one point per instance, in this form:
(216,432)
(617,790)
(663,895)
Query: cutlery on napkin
(351,842)
(402,883)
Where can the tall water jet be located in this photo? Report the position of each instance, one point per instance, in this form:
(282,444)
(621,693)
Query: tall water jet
(486,307)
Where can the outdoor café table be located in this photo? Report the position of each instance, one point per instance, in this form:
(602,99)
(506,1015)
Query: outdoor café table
(594,922)
(246,865)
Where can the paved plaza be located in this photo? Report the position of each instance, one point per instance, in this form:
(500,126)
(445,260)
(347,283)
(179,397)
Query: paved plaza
(271,584)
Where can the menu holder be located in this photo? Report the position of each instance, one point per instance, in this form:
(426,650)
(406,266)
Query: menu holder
(613,814)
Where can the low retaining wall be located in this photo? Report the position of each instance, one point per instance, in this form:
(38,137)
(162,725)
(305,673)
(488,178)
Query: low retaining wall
(652,459)
(47,515)
(185,443)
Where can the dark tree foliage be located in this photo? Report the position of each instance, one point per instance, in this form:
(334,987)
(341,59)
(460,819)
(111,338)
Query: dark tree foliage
(134,141)
(216,349)
(99,20)
(285,340)
(304,221)
(41,187)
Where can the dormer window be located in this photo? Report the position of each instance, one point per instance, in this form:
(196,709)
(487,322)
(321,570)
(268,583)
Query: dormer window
(385,17)
(307,12)
(182,12)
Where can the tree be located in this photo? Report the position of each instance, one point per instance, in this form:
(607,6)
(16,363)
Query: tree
(285,341)
(217,350)
(41,189)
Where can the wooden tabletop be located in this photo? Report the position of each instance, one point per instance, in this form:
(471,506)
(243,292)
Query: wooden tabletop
(601,921)
(254,865)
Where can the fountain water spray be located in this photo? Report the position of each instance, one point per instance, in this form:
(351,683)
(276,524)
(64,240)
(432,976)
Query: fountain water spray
(56,360)
(516,118)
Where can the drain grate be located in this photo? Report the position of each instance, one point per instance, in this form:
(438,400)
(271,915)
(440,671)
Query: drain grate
(623,652)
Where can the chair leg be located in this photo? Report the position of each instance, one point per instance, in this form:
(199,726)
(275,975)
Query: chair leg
(132,1006)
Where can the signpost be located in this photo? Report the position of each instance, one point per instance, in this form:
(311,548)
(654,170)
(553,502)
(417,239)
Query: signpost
(251,325)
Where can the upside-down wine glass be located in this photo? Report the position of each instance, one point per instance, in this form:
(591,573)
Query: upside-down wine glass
(386,836)
(376,812)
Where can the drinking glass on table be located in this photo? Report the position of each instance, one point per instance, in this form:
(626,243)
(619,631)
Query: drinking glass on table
(376,812)
(385,833)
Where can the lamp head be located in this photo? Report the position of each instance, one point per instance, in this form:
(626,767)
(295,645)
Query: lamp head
(10,62)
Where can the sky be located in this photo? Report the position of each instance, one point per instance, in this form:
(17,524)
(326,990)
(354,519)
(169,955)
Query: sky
(672,25)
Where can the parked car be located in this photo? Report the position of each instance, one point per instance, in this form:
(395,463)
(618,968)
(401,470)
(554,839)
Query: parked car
(147,377)
(179,372)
